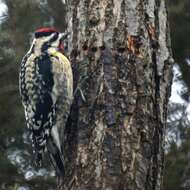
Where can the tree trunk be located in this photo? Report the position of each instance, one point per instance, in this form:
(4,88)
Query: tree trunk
(120,51)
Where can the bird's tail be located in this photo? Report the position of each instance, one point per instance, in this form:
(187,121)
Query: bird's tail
(56,158)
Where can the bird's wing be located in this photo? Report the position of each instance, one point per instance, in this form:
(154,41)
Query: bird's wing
(22,83)
(43,85)
(62,93)
(36,83)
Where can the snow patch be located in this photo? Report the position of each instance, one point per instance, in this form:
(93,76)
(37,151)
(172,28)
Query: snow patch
(177,87)
(3,11)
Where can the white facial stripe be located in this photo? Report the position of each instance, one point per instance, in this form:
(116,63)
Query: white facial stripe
(32,46)
(48,38)
(57,41)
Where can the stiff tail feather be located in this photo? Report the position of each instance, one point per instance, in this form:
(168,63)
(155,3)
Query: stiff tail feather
(56,158)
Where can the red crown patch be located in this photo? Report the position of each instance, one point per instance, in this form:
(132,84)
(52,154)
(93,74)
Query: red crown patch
(44,30)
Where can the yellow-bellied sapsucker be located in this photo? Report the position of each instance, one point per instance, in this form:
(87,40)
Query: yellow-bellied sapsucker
(46,88)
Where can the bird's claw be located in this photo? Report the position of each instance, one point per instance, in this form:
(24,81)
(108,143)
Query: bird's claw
(78,89)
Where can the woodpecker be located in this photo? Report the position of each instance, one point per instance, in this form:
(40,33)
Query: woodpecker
(46,89)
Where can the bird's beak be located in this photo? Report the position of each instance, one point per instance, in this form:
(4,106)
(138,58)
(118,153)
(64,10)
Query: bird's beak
(63,36)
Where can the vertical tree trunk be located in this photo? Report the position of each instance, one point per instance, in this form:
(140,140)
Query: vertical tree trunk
(120,51)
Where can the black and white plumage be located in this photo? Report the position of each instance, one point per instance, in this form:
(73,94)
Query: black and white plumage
(46,88)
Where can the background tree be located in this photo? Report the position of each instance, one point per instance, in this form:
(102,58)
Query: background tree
(177,151)
(179,21)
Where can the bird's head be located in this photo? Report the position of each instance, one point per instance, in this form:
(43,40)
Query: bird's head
(49,37)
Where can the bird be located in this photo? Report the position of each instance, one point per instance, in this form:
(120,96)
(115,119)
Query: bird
(46,90)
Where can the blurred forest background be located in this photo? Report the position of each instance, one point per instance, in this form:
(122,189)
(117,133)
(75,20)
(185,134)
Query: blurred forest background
(17,23)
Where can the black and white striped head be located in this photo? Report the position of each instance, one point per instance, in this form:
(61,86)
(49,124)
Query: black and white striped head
(48,37)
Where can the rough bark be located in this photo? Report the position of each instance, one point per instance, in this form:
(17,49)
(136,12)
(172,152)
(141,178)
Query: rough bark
(120,51)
